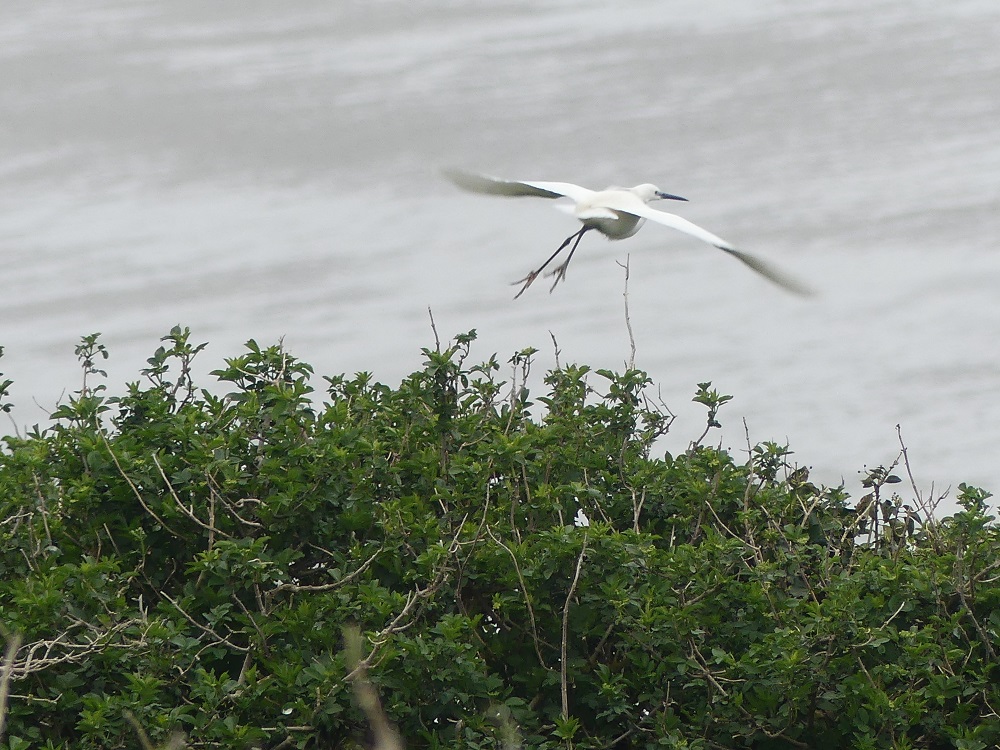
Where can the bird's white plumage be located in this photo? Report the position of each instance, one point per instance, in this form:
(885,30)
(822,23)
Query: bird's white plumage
(676,222)
(616,213)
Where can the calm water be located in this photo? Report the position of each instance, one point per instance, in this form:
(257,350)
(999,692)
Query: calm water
(256,171)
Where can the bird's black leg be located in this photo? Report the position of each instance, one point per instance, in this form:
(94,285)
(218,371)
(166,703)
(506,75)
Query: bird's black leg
(534,274)
(560,271)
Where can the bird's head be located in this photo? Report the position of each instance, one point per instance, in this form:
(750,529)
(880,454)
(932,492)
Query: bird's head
(648,192)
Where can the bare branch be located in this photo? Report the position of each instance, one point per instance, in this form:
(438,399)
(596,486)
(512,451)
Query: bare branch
(437,340)
(13,644)
(960,590)
(209,527)
(204,628)
(555,348)
(41,655)
(385,734)
(563,681)
(400,622)
(135,490)
(628,319)
(637,508)
(927,506)
(294,587)
(527,597)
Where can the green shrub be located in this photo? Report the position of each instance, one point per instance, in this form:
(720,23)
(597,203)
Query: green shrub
(182,563)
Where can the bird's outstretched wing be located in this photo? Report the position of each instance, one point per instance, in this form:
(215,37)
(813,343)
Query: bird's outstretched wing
(761,266)
(478,183)
(628,203)
(770,272)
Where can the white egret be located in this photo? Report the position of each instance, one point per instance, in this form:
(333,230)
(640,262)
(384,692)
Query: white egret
(616,213)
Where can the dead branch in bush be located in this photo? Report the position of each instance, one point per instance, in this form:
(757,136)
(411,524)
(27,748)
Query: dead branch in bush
(748,494)
(628,319)
(556,351)
(296,587)
(216,494)
(563,681)
(637,507)
(403,620)
(385,734)
(189,512)
(135,490)
(204,628)
(474,542)
(399,623)
(6,674)
(960,584)
(139,731)
(434,330)
(43,507)
(716,682)
(928,506)
(35,657)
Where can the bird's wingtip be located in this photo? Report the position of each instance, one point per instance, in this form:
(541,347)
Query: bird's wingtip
(475,183)
(786,281)
(456,175)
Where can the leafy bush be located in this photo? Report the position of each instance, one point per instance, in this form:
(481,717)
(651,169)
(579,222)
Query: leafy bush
(179,563)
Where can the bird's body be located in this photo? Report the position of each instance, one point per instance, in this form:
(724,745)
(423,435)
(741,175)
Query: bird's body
(617,213)
(593,212)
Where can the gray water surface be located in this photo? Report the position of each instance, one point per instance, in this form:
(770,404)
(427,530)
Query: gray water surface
(251,170)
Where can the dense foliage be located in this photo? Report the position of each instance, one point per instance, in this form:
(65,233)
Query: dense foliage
(178,562)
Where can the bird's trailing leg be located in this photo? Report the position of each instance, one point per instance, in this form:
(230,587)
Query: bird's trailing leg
(534,274)
(560,271)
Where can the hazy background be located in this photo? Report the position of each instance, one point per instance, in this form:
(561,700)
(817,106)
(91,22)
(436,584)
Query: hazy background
(251,169)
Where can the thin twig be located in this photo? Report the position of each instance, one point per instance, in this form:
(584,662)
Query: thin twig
(135,490)
(412,599)
(295,587)
(219,638)
(555,348)
(906,462)
(893,616)
(209,527)
(563,683)
(600,644)
(703,664)
(216,491)
(175,742)
(928,506)
(437,341)
(628,319)
(43,506)
(527,596)
(960,590)
(637,508)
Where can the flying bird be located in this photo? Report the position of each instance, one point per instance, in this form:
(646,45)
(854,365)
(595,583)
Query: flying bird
(616,213)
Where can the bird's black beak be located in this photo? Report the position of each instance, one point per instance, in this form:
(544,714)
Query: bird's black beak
(668,196)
